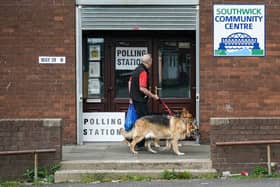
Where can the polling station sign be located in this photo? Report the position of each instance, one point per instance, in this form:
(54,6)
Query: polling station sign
(239,29)
(128,58)
(103,126)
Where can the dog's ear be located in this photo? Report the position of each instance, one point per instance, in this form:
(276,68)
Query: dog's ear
(182,114)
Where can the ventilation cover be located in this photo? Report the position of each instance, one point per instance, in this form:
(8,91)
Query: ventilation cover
(139,17)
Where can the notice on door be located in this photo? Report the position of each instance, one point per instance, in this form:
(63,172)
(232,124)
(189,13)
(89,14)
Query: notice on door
(128,58)
(103,126)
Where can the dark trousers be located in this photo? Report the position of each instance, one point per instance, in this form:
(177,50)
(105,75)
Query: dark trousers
(141,110)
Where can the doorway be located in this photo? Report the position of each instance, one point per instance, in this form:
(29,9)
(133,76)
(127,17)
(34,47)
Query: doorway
(109,59)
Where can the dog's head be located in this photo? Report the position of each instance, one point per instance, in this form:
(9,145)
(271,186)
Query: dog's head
(191,127)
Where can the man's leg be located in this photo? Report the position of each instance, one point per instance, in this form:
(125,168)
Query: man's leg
(141,110)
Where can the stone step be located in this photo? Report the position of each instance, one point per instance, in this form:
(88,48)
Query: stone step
(78,175)
(74,171)
(147,164)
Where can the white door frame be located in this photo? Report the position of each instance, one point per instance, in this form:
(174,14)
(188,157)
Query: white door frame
(79,78)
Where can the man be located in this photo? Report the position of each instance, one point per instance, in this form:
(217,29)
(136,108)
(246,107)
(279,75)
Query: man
(138,89)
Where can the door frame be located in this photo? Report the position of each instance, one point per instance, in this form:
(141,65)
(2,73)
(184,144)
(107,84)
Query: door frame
(156,44)
(153,41)
(197,71)
(79,77)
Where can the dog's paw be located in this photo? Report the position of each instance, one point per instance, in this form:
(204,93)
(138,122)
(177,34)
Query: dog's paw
(135,152)
(180,154)
(153,151)
(157,145)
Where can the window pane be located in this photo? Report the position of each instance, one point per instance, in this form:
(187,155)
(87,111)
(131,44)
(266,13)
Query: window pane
(174,70)
(127,57)
(93,68)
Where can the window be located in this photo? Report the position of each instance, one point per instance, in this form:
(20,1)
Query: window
(174,69)
(93,68)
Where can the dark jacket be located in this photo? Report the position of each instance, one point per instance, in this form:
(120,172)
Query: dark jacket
(135,92)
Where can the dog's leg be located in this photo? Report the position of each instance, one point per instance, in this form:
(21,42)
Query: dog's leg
(156,142)
(134,142)
(149,142)
(175,147)
(126,142)
(167,145)
(127,136)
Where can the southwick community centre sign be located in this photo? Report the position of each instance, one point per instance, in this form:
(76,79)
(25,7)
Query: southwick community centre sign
(239,30)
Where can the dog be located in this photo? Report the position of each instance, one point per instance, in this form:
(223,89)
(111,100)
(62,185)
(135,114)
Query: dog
(156,127)
(193,129)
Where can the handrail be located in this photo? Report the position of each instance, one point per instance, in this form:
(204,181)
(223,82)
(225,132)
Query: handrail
(33,151)
(27,151)
(255,142)
(249,142)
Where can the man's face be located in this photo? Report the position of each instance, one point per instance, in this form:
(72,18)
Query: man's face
(148,62)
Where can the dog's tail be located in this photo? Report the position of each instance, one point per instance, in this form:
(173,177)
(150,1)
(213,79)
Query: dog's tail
(127,134)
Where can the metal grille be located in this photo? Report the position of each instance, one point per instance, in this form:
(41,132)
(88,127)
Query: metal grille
(156,17)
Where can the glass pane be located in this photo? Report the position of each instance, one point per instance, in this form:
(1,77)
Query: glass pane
(93,68)
(174,70)
(127,57)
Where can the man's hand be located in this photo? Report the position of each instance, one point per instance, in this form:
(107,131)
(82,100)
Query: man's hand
(148,93)
(156,97)
(130,101)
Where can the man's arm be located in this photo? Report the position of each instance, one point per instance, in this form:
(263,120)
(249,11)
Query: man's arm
(148,93)
(143,85)
(129,88)
(129,85)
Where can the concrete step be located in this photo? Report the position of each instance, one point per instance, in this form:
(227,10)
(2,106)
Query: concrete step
(136,164)
(75,170)
(78,175)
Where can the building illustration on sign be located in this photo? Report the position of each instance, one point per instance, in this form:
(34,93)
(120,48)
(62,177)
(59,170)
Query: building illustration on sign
(239,30)
(241,43)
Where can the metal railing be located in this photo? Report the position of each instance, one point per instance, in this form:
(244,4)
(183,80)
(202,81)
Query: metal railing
(255,142)
(35,152)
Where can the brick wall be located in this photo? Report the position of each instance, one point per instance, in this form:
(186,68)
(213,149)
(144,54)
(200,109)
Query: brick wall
(243,157)
(230,86)
(29,134)
(239,86)
(29,29)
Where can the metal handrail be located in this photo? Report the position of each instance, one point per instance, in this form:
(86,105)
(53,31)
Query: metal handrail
(255,142)
(33,151)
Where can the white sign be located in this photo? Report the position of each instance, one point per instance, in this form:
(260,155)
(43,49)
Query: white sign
(128,58)
(93,86)
(52,59)
(239,30)
(103,126)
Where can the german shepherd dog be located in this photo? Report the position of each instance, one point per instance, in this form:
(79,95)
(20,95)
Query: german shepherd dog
(156,127)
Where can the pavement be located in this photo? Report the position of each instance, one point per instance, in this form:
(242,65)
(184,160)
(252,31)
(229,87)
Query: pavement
(120,151)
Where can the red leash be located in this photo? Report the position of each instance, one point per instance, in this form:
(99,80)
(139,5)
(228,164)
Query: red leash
(170,112)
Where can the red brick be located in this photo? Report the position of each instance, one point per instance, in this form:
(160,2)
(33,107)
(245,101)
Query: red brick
(32,90)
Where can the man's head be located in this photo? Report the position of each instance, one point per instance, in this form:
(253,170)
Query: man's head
(147,60)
